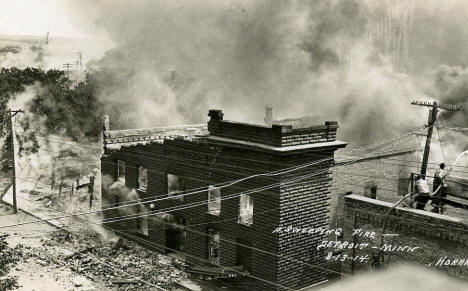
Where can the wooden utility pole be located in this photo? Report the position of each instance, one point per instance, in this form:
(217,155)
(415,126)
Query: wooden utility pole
(434,108)
(12,148)
(68,66)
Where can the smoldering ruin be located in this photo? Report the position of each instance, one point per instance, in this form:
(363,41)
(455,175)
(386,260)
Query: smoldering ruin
(333,115)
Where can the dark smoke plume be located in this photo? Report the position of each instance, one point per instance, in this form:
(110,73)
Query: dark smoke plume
(358,62)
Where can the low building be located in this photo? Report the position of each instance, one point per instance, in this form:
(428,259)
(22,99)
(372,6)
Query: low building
(216,195)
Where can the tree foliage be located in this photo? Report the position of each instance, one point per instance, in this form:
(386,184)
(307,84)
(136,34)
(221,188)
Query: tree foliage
(64,106)
(8,258)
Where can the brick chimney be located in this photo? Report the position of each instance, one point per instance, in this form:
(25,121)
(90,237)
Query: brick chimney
(268,115)
(214,124)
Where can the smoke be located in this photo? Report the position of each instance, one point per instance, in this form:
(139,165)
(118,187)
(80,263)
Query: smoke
(358,62)
(402,278)
(22,52)
(451,85)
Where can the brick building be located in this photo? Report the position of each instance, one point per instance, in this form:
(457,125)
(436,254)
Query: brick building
(230,226)
(385,176)
(382,176)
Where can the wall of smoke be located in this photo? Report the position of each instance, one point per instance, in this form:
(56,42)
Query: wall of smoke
(358,62)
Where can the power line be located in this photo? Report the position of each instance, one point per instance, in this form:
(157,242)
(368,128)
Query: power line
(227,268)
(165,198)
(155,200)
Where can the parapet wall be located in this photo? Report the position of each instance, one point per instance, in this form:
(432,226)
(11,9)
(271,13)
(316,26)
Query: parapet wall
(276,135)
(441,241)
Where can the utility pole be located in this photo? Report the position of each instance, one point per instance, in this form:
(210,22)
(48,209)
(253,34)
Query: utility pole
(80,60)
(12,148)
(68,66)
(434,108)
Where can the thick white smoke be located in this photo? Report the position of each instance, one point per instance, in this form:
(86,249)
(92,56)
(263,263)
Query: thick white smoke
(401,278)
(358,62)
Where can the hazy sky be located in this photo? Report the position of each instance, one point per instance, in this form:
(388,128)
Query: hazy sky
(37,17)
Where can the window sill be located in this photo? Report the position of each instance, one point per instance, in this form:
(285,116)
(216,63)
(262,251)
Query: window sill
(214,214)
(245,224)
(139,232)
(120,182)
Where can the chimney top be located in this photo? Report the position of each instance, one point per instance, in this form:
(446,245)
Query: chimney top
(216,114)
(106,123)
(268,115)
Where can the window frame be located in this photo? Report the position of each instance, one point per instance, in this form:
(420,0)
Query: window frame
(217,201)
(172,194)
(117,172)
(140,220)
(211,234)
(138,178)
(251,201)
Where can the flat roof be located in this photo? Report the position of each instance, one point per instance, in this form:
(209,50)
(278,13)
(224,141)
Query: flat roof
(263,147)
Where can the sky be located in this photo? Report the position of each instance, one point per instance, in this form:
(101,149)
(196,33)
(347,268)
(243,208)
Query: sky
(37,17)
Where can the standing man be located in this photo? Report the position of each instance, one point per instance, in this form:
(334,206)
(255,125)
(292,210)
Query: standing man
(422,192)
(439,182)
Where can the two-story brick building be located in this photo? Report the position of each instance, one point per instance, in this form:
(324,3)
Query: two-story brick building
(216,194)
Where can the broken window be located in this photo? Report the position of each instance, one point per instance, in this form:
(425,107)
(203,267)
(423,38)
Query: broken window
(244,253)
(373,191)
(142,178)
(246,209)
(175,186)
(120,177)
(142,219)
(213,245)
(176,234)
(214,200)
(370,191)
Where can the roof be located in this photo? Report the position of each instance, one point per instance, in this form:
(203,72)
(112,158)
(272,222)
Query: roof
(273,149)
(118,138)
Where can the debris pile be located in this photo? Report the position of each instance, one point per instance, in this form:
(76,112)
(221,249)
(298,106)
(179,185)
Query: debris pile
(8,259)
(119,263)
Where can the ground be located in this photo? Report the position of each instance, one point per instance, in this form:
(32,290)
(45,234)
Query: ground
(32,273)
(53,259)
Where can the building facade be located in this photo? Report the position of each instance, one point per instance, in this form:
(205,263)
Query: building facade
(216,195)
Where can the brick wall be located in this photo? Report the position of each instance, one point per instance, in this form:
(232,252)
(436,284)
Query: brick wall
(386,172)
(436,235)
(276,135)
(204,163)
(304,205)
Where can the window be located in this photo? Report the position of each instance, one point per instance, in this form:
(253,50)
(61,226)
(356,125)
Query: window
(142,220)
(175,186)
(213,244)
(244,253)
(370,191)
(120,177)
(246,209)
(142,178)
(214,200)
(373,191)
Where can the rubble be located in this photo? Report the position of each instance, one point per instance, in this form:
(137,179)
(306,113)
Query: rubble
(116,263)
